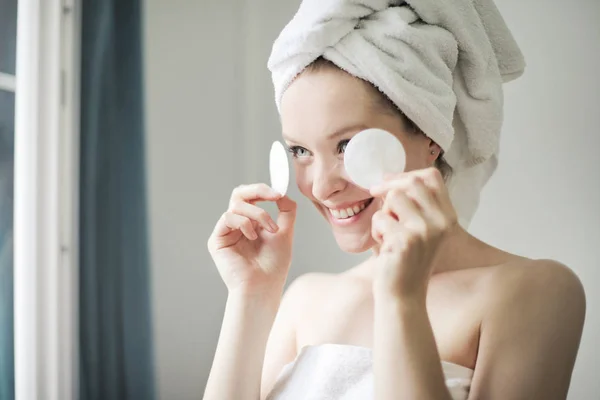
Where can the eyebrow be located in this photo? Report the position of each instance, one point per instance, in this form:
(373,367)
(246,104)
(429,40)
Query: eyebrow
(339,132)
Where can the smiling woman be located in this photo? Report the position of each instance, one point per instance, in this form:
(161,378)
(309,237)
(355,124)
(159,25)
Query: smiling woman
(435,312)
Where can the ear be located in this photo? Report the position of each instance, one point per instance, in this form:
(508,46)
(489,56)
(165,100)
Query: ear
(434,151)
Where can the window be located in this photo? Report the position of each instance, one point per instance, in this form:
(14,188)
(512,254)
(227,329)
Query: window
(8,35)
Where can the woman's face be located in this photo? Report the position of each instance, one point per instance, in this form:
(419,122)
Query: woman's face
(320,112)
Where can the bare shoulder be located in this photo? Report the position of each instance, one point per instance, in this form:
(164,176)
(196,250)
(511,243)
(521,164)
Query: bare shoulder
(315,292)
(537,297)
(549,282)
(531,326)
(310,282)
(308,288)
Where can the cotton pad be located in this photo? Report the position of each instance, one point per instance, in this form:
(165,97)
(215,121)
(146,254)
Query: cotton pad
(371,154)
(279,168)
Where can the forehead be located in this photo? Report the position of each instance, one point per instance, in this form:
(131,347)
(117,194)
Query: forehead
(319,103)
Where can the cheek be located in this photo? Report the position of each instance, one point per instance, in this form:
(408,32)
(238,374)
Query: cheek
(416,156)
(303,180)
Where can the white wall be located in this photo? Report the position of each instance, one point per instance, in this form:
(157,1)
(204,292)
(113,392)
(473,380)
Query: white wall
(193,120)
(211,119)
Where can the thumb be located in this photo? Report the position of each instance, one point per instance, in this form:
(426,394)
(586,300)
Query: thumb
(287,213)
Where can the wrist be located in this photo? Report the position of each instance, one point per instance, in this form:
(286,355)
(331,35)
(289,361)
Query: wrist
(387,285)
(255,297)
(413,300)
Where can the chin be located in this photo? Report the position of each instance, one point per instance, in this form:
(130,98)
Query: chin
(355,245)
(353,235)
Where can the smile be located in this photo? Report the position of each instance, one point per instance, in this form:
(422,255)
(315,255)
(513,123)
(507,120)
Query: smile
(348,212)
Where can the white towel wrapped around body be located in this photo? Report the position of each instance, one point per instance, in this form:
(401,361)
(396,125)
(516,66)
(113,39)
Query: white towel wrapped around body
(442,62)
(345,372)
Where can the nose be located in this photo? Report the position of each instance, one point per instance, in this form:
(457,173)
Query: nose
(329,178)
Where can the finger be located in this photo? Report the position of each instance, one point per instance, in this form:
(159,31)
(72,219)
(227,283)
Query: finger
(409,215)
(427,188)
(393,180)
(287,213)
(390,182)
(431,211)
(414,187)
(392,176)
(255,214)
(433,179)
(431,176)
(421,195)
(254,192)
(382,224)
(399,205)
(230,222)
(434,199)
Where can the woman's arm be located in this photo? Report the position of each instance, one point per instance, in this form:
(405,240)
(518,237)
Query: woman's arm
(415,218)
(528,344)
(238,362)
(406,360)
(530,338)
(253,255)
(282,346)
(534,314)
(251,333)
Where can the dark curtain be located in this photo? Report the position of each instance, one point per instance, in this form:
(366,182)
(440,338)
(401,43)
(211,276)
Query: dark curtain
(116,354)
(7,373)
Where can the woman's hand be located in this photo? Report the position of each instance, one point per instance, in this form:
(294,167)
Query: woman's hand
(252,252)
(416,216)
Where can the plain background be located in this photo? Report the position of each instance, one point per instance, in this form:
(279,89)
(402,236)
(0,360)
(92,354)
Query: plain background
(211,119)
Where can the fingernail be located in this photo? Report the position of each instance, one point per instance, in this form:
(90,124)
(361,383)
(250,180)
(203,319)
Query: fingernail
(274,227)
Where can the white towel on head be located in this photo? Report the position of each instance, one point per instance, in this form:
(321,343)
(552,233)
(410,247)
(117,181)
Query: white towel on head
(442,62)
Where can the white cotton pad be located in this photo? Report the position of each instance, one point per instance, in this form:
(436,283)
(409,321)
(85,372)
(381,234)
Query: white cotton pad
(371,154)
(279,168)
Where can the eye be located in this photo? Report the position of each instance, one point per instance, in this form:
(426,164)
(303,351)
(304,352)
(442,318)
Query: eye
(342,145)
(298,151)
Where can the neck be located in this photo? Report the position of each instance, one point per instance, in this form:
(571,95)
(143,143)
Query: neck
(459,250)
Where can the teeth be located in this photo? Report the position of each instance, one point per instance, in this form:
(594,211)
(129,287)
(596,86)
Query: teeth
(348,212)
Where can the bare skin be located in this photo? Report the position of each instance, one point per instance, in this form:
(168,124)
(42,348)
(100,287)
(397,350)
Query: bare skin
(339,309)
(516,322)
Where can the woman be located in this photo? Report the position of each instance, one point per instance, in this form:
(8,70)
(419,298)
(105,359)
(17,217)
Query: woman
(446,315)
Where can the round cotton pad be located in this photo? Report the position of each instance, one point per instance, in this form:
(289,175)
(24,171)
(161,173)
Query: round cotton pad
(279,168)
(371,154)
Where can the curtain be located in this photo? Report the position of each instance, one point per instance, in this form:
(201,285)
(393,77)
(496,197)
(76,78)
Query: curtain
(7,374)
(116,355)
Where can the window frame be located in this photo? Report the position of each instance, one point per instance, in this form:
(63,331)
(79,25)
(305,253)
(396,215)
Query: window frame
(46,200)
